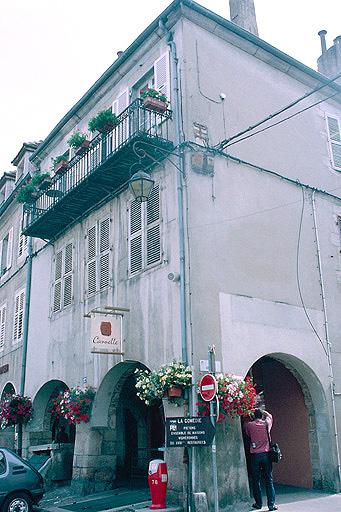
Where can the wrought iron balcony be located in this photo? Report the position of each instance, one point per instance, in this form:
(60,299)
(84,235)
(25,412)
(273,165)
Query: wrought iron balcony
(92,178)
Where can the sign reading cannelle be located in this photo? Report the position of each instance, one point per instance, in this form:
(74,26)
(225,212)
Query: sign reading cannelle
(106,334)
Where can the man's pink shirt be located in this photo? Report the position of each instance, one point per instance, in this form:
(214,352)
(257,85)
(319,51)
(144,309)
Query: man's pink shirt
(256,430)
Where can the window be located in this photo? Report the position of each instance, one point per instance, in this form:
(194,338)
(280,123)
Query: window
(334,140)
(6,252)
(145,233)
(98,259)
(2,325)
(19,303)
(63,277)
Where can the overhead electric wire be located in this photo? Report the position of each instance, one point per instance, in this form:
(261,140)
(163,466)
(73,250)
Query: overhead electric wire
(282,120)
(271,116)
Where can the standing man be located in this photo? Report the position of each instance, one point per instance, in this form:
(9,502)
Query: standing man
(259,448)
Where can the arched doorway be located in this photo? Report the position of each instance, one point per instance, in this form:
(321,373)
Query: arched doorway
(122,436)
(294,396)
(7,436)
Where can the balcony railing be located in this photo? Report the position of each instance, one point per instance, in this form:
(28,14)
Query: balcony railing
(92,178)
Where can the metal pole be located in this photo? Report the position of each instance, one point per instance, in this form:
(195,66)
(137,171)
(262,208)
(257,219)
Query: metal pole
(211,367)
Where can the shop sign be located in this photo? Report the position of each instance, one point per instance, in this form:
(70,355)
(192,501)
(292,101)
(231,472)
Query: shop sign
(106,334)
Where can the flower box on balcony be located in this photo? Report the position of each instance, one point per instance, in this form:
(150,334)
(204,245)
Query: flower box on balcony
(103,122)
(154,104)
(61,167)
(82,148)
(44,184)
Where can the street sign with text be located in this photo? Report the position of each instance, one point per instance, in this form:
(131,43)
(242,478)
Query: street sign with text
(189,431)
(208,387)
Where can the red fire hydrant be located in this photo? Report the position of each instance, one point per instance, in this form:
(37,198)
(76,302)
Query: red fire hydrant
(158,479)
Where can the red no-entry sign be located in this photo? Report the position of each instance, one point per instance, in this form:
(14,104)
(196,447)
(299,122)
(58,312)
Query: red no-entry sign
(208,387)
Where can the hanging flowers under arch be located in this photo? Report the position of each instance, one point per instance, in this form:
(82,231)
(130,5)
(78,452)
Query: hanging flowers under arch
(237,397)
(74,404)
(15,410)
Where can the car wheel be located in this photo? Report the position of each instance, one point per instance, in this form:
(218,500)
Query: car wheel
(19,502)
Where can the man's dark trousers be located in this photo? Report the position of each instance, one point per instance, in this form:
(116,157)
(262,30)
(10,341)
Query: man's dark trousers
(261,461)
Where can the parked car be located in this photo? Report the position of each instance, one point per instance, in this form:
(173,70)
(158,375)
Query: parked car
(21,485)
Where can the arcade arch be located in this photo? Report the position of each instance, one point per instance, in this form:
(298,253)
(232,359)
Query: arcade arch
(294,395)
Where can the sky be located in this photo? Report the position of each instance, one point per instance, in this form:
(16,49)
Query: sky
(51,52)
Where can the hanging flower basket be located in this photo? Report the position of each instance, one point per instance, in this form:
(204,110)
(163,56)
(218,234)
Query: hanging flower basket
(75,404)
(152,386)
(15,410)
(27,193)
(237,397)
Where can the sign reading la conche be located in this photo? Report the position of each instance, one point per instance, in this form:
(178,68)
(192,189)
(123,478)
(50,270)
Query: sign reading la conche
(190,431)
(106,334)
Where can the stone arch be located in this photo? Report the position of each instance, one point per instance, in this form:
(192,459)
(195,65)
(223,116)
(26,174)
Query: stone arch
(9,389)
(319,430)
(99,443)
(41,428)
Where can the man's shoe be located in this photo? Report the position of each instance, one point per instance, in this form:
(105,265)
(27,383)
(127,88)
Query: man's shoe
(273,508)
(254,505)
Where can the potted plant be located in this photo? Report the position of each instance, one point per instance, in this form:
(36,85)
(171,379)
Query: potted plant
(169,380)
(15,410)
(26,193)
(60,164)
(237,397)
(103,122)
(78,142)
(42,181)
(154,100)
(75,404)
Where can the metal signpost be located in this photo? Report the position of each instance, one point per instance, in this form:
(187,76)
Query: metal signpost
(211,360)
(189,431)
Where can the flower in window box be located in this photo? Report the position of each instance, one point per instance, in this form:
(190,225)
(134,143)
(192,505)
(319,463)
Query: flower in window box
(60,164)
(78,142)
(103,122)
(154,100)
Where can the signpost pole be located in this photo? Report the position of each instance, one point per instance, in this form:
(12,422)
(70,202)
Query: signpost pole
(211,367)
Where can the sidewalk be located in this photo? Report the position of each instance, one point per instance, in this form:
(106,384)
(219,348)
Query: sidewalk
(288,499)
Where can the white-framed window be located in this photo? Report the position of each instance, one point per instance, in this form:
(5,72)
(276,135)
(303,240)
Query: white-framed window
(63,278)
(334,134)
(6,249)
(2,325)
(98,256)
(19,304)
(145,233)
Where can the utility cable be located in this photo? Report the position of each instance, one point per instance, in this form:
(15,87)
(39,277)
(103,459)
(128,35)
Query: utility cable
(271,116)
(298,274)
(282,120)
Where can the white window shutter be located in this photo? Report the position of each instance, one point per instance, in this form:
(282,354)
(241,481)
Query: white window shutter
(18,315)
(153,242)
(67,292)
(121,102)
(153,205)
(9,249)
(68,259)
(104,271)
(104,235)
(59,267)
(161,74)
(2,325)
(153,245)
(104,250)
(57,296)
(135,242)
(136,254)
(335,140)
(92,265)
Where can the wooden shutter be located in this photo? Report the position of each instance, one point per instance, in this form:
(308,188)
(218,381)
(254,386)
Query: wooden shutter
(2,325)
(92,264)
(104,252)
(161,74)
(153,235)
(135,241)
(335,140)
(9,249)
(18,315)
(57,291)
(68,267)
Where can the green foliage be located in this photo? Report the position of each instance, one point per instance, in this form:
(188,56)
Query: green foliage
(76,139)
(151,386)
(38,178)
(23,195)
(153,93)
(58,159)
(101,119)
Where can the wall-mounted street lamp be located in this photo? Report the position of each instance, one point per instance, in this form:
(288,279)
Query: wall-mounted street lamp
(140,185)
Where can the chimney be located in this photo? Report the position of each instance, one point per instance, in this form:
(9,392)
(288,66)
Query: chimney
(329,63)
(243,14)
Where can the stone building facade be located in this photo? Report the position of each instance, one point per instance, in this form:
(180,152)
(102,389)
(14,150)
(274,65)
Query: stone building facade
(250,224)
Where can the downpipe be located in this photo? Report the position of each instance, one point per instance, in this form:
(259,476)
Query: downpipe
(326,328)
